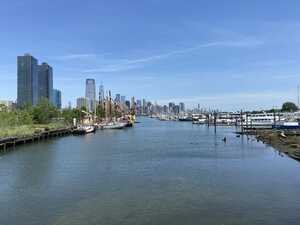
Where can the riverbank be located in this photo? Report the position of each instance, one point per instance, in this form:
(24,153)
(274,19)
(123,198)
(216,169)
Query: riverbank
(287,142)
(28,130)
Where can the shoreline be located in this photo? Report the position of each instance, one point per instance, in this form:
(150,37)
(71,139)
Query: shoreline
(285,141)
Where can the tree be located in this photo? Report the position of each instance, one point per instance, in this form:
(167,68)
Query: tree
(44,112)
(289,107)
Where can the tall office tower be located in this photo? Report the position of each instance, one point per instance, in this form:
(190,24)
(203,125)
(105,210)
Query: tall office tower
(181,107)
(56,98)
(123,99)
(118,98)
(27,80)
(82,102)
(90,94)
(171,107)
(101,94)
(45,82)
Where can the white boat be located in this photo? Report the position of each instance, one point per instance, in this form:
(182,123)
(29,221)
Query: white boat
(113,125)
(260,121)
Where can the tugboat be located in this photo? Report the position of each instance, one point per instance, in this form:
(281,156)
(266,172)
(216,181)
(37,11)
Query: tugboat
(81,130)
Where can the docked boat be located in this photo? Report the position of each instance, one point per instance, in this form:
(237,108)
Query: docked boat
(260,121)
(113,125)
(286,125)
(81,130)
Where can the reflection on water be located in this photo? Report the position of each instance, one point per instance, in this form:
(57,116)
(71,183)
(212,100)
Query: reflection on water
(157,173)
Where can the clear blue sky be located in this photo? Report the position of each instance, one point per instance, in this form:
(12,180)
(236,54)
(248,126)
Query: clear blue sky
(219,53)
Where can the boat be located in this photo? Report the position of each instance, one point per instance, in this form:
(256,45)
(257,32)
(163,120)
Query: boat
(286,125)
(260,121)
(113,125)
(81,130)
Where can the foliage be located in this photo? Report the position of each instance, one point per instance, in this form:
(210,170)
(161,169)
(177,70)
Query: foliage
(289,107)
(44,112)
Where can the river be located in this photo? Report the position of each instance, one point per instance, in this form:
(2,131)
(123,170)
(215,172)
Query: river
(157,173)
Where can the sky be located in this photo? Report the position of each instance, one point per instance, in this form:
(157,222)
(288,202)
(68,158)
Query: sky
(221,54)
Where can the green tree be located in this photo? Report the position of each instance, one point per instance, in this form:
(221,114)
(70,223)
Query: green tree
(44,112)
(289,107)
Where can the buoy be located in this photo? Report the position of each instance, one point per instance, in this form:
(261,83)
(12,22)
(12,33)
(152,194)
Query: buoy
(224,139)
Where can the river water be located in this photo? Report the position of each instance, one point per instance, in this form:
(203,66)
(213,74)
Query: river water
(157,173)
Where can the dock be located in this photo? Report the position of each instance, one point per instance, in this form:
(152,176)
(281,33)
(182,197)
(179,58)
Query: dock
(11,142)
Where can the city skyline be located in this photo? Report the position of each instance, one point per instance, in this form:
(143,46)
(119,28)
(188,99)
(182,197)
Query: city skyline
(192,53)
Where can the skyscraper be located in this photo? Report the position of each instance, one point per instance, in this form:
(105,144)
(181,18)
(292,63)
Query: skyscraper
(118,98)
(27,80)
(101,94)
(82,102)
(45,82)
(56,98)
(181,107)
(90,94)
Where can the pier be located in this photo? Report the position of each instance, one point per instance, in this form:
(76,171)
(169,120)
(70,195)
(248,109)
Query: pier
(11,142)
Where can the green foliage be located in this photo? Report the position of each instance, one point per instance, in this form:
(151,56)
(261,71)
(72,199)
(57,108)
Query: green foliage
(69,114)
(44,112)
(289,107)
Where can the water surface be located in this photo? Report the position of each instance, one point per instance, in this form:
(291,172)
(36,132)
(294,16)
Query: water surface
(155,173)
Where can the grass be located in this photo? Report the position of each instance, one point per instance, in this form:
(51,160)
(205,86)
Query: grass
(28,130)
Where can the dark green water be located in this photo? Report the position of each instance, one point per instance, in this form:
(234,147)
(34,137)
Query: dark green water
(158,173)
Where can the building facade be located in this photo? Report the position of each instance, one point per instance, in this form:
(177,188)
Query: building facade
(45,82)
(90,94)
(82,102)
(27,90)
(56,98)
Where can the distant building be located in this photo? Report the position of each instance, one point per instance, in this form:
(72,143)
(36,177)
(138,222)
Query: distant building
(123,99)
(118,98)
(10,105)
(181,107)
(27,90)
(82,102)
(101,94)
(45,82)
(127,103)
(56,98)
(90,94)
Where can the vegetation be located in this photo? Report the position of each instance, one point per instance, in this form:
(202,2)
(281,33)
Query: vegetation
(30,120)
(289,107)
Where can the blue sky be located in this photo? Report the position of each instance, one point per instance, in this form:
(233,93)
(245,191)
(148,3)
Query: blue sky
(219,53)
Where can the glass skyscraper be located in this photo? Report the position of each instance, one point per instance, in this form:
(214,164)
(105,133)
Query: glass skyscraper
(45,82)
(27,80)
(90,94)
(56,98)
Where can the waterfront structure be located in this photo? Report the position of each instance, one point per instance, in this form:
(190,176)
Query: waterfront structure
(27,90)
(45,82)
(82,103)
(90,94)
(56,98)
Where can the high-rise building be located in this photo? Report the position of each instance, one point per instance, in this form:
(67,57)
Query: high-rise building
(181,107)
(127,103)
(45,82)
(56,98)
(118,98)
(101,94)
(123,99)
(27,80)
(82,102)
(90,94)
